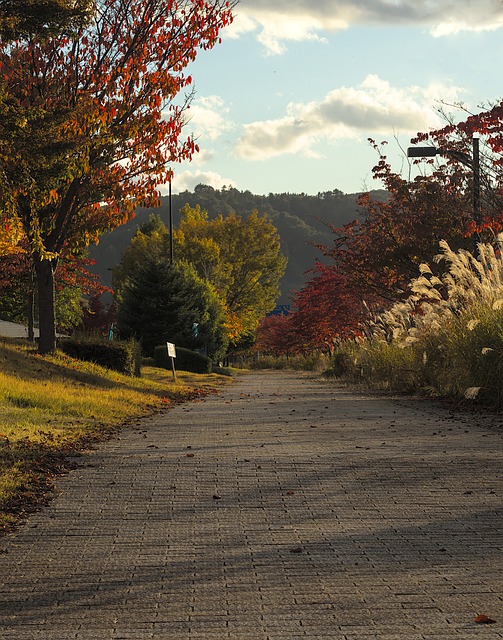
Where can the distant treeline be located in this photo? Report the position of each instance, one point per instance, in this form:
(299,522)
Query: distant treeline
(302,220)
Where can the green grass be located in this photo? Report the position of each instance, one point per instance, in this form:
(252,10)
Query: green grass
(52,406)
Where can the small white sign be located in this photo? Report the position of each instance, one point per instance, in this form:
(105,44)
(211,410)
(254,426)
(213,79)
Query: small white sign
(171,350)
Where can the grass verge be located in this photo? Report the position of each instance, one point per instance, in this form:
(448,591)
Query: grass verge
(52,407)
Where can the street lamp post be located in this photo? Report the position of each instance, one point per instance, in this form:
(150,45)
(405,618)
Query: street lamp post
(170,225)
(464,158)
(476,179)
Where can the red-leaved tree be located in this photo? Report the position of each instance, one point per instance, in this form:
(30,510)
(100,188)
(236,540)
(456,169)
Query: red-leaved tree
(275,337)
(17,287)
(380,252)
(328,310)
(90,126)
(482,165)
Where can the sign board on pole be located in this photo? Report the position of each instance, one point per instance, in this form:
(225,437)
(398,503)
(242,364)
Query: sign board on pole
(172,355)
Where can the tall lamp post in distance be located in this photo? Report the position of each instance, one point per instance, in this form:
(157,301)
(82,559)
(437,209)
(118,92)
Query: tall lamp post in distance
(170,210)
(464,158)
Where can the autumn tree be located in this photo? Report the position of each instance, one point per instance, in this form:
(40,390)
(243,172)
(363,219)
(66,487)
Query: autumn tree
(31,18)
(483,175)
(242,259)
(96,316)
(275,336)
(196,243)
(91,127)
(17,290)
(328,310)
(380,252)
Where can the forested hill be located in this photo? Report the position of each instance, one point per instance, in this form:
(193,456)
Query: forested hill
(301,220)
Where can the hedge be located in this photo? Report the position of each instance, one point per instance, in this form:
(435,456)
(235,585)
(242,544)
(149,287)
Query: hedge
(186,360)
(121,356)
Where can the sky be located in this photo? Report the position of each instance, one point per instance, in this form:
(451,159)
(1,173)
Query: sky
(288,100)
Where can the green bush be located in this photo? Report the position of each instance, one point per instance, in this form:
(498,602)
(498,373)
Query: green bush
(121,356)
(341,364)
(484,357)
(269,362)
(186,360)
(389,366)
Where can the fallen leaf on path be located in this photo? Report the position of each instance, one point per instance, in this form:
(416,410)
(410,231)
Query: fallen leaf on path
(482,619)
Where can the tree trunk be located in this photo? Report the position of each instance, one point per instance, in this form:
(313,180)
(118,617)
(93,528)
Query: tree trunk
(44,270)
(31,307)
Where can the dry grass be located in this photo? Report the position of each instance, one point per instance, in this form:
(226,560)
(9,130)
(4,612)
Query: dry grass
(446,337)
(53,405)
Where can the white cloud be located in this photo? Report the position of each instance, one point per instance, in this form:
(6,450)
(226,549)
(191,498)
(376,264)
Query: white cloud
(279,21)
(372,108)
(208,118)
(187,180)
(202,157)
(452,27)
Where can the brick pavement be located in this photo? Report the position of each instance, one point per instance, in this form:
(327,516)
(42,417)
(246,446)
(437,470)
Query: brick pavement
(285,508)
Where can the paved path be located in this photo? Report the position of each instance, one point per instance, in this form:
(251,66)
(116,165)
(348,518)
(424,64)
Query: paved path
(285,508)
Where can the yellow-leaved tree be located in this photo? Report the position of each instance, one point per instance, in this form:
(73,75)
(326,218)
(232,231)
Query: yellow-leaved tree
(241,257)
(11,234)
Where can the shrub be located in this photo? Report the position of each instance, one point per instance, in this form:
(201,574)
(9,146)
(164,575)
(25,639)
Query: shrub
(121,356)
(341,364)
(269,362)
(186,360)
(484,356)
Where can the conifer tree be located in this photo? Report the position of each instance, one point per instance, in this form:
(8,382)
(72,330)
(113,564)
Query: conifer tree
(161,303)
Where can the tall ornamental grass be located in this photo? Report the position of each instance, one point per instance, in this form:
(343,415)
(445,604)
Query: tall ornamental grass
(446,338)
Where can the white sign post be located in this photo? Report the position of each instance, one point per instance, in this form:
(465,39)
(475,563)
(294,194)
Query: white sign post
(172,355)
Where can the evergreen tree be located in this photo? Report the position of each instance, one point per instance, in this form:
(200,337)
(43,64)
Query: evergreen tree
(162,303)
(151,241)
